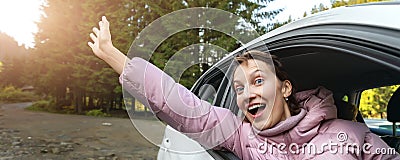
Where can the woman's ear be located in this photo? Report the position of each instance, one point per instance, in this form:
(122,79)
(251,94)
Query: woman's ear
(286,88)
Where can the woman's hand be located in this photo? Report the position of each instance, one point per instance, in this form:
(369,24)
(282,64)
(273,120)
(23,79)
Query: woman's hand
(102,44)
(103,48)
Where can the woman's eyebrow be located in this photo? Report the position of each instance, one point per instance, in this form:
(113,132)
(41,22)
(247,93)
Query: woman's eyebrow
(236,82)
(255,71)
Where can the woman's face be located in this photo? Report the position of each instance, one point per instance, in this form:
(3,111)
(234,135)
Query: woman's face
(259,93)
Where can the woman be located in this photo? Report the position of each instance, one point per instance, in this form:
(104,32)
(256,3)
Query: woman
(279,123)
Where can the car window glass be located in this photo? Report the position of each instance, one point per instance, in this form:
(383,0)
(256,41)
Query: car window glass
(209,87)
(208,92)
(373,105)
(230,95)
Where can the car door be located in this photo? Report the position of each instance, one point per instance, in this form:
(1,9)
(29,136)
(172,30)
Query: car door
(211,87)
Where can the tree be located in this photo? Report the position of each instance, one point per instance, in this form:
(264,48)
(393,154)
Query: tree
(320,8)
(280,24)
(13,62)
(57,45)
(373,103)
(340,3)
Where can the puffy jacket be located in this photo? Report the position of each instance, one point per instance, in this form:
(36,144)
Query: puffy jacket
(314,133)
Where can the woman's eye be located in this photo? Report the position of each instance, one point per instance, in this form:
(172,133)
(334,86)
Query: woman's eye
(259,81)
(239,89)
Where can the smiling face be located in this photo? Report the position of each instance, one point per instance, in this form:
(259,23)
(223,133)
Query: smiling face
(260,94)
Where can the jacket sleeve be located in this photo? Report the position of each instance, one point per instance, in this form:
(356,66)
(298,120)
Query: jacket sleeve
(375,148)
(177,106)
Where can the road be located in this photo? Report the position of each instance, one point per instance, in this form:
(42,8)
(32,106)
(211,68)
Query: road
(40,135)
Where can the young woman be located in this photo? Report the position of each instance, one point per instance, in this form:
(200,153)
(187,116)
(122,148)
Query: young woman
(279,123)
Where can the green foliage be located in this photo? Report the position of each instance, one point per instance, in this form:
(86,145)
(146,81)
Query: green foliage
(68,109)
(279,24)
(339,3)
(374,101)
(42,105)
(320,8)
(248,10)
(10,94)
(50,106)
(13,62)
(305,14)
(97,113)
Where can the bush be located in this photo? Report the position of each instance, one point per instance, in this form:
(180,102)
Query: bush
(68,109)
(11,94)
(97,113)
(41,105)
(50,106)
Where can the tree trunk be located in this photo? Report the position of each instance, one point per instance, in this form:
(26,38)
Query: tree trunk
(78,102)
(121,99)
(91,104)
(84,101)
(133,106)
(109,105)
(145,112)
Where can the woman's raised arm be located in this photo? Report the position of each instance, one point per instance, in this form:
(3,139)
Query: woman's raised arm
(170,101)
(103,48)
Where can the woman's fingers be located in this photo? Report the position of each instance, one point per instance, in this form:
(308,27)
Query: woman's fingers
(101,25)
(96,31)
(105,22)
(93,37)
(91,45)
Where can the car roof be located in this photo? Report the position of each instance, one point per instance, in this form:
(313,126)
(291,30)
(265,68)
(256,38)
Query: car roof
(373,15)
(367,14)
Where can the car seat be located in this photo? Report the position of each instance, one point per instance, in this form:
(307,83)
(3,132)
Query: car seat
(346,110)
(393,110)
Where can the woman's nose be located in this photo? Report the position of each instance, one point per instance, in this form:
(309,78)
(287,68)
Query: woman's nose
(251,92)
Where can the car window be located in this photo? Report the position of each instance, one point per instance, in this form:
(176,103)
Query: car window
(208,91)
(373,107)
(230,95)
(209,86)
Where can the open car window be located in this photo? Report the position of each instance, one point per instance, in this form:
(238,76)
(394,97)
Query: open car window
(373,108)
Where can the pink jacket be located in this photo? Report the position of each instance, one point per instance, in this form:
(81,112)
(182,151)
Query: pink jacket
(314,133)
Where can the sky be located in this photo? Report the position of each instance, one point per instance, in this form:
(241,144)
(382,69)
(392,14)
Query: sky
(295,8)
(18,17)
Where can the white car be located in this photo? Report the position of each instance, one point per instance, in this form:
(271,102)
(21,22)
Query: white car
(355,48)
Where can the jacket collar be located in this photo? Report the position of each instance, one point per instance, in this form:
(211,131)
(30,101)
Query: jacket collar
(317,106)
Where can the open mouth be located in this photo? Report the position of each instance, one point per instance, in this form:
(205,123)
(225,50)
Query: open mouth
(256,109)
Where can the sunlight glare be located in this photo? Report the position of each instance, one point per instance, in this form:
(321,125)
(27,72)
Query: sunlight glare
(18,17)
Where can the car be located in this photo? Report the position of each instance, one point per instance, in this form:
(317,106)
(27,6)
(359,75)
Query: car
(345,49)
